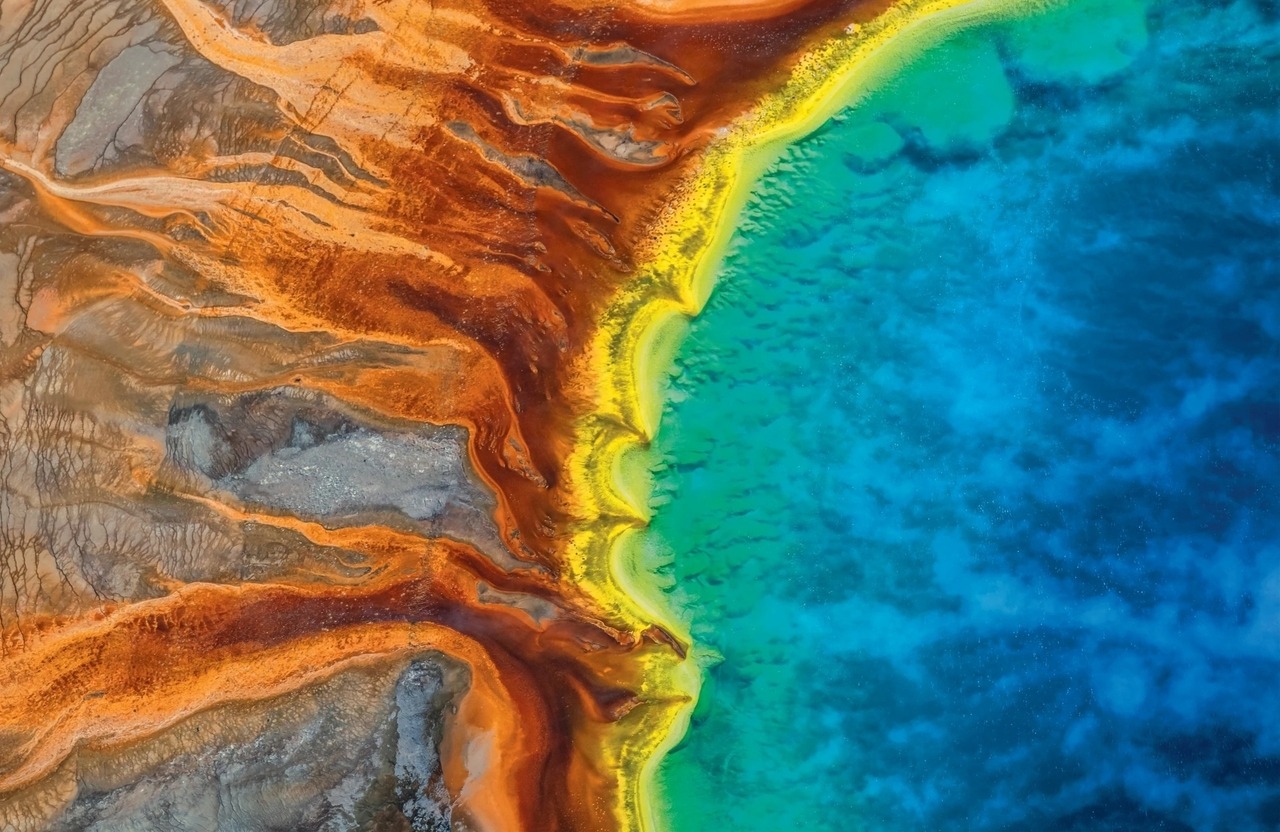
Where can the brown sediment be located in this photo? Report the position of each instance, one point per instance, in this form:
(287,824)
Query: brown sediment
(402,214)
(130,673)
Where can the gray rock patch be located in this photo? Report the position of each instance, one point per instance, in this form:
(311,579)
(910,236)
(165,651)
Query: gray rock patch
(111,100)
(285,452)
(354,472)
(357,752)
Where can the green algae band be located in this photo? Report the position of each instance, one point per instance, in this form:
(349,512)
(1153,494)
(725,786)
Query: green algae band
(610,558)
(965,486)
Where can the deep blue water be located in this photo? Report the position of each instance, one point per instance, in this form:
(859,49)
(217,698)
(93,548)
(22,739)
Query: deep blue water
(972,461)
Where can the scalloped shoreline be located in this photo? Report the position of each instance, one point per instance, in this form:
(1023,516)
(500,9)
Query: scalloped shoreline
(639,333)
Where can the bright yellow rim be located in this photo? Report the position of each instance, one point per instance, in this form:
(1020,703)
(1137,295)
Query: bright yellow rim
(640,331)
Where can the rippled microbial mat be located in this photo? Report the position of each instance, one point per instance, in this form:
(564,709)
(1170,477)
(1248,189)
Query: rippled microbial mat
(968,479)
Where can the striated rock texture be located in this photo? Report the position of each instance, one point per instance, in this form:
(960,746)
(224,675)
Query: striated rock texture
(294,300)
(358,752)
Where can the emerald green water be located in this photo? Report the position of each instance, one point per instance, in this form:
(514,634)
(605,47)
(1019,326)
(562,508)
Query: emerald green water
(968,470)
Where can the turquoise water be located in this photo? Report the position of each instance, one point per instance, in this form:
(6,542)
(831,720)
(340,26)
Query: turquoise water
(971,464)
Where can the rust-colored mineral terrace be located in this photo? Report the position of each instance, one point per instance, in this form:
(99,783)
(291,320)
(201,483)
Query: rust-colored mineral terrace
(295,301)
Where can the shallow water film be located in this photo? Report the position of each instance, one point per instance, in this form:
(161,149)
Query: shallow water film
(660,415)
(969,481)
